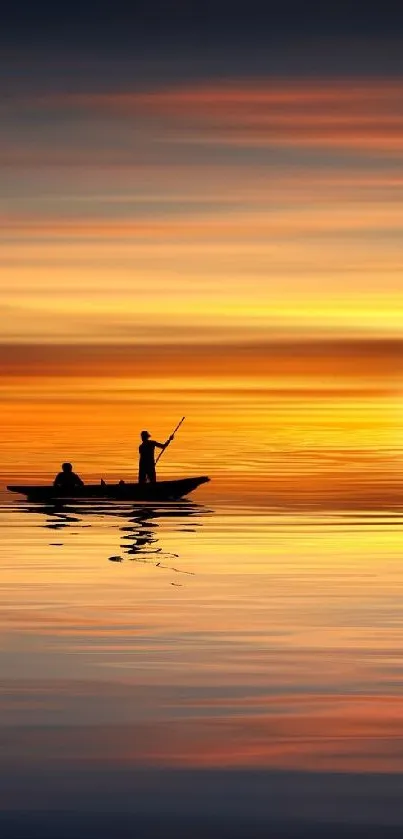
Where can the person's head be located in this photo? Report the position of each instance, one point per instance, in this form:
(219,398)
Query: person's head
(145,436)
(67,467)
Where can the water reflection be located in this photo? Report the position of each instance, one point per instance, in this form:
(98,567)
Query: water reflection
(140,537)
(282,650)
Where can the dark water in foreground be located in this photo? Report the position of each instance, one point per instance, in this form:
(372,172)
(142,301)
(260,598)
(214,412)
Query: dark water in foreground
(187,668)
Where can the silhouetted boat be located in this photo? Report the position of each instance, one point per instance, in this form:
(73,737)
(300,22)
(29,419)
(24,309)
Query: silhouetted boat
(160,491)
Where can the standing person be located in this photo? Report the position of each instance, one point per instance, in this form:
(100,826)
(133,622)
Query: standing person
(147,462)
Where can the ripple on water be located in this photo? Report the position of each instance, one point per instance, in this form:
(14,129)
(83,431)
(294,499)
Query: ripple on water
(224,635)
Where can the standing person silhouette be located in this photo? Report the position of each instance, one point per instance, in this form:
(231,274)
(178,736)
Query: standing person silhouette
(147,462)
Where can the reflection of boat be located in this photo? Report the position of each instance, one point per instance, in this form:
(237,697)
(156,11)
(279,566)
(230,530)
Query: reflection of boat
(160,491)
(141,539)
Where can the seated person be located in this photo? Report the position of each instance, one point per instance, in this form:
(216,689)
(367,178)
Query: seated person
(67,480)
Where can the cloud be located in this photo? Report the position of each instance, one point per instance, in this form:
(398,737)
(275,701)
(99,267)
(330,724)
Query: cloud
(132,127)
(331,363)
(363,114)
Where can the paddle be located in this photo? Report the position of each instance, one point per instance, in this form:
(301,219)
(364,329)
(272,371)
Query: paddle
(172,435)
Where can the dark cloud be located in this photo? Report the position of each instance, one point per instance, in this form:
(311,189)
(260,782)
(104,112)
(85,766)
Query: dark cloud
(164,17)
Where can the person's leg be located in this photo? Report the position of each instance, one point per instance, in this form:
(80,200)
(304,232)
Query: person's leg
(142,474)
(151,474)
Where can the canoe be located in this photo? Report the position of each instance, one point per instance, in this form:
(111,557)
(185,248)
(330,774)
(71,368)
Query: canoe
(160,491)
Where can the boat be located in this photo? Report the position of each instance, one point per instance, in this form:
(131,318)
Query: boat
(122,491)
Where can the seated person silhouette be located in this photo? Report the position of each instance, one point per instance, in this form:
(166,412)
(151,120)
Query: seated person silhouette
(67,480)
(147,463)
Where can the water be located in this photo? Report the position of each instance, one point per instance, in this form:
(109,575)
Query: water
(235,658)
(192,636)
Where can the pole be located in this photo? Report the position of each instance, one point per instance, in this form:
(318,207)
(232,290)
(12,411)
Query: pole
(172,435)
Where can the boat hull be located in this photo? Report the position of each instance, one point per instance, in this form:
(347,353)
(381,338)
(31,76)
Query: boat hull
(160,491)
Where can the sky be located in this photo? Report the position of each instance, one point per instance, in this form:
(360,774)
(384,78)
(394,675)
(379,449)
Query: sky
(207,181)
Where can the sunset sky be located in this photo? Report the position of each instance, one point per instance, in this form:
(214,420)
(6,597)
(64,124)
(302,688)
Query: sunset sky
(201,198)
(220,194)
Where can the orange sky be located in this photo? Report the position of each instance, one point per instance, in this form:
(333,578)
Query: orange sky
(372,365)
(203,213)
(229,249)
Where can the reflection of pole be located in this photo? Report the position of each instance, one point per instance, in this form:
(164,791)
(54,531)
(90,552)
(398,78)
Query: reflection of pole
(172,435)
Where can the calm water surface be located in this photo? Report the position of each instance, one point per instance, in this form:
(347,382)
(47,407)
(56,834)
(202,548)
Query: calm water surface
(196,635)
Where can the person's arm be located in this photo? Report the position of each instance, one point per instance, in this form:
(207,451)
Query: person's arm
(56,482)
(78,482)
(164,445)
